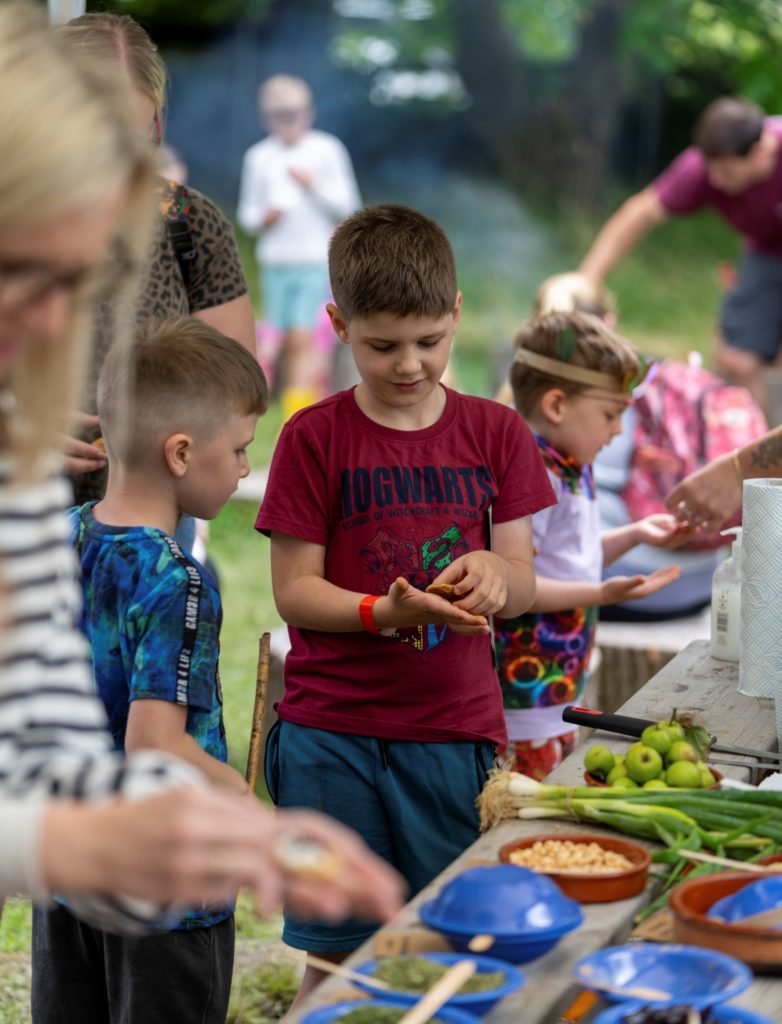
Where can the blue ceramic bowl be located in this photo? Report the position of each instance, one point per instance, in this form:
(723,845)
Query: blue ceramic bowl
(694,976)
(765,894)
(332,1013)
(524,911)
(720,1014)
(474,1002)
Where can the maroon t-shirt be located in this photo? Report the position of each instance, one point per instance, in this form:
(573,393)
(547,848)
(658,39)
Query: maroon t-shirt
(387,503)
(755,213)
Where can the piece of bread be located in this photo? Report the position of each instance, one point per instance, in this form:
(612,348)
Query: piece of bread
(307,858)
(445,590)
(99,443)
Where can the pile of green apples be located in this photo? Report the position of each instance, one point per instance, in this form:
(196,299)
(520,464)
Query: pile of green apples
(662,758)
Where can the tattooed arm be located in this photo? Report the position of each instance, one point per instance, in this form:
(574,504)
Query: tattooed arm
(709,496)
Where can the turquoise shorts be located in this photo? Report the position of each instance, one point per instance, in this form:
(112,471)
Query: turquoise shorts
(413,804)
(293,295)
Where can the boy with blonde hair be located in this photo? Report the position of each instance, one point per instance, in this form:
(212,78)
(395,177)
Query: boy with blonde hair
(391,710)
(572,378)
(178,410)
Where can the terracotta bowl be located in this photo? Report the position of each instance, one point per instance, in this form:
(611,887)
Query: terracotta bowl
(603,888)
(592,780)
(691,900)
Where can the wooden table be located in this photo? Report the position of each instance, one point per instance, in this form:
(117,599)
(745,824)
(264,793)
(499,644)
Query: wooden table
(694,682)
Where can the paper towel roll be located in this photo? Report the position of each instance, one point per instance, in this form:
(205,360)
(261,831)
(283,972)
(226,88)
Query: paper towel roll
(760,668)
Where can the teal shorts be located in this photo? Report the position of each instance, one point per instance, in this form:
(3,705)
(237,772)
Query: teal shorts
(413,804)
(293,295)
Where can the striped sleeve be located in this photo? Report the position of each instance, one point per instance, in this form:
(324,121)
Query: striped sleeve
(54,740)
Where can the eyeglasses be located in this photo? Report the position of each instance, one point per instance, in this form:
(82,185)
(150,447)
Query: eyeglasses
(24,283)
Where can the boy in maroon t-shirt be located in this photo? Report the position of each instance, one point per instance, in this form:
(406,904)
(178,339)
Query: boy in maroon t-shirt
(734,167)
(392,706)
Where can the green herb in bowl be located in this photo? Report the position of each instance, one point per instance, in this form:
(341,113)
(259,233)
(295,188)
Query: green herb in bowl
(417,974)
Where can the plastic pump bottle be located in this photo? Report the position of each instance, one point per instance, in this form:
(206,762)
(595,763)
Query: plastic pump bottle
(726,603)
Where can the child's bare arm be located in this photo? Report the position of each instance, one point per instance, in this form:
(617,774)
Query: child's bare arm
(561,595)
(661,531)
(306,600)
(160,725)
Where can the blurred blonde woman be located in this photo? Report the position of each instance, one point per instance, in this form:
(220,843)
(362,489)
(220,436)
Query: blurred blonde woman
(75,180)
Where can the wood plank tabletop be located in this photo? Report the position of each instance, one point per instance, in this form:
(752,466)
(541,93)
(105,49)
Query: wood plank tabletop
(692,682)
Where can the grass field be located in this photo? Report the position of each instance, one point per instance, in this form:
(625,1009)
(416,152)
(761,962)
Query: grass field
(668,292)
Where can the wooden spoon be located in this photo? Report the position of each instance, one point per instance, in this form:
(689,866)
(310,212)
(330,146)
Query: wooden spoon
(763,919)
(344,972)
(440,993)
(636,992)
(480,943)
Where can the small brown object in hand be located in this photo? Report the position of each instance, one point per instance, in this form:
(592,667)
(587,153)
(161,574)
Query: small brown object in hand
(445,590)
(307,858)
(99,443)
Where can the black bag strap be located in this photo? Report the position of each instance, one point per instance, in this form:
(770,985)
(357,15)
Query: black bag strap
(175,207)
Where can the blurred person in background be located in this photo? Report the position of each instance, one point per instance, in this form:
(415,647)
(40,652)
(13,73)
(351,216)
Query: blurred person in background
(113,833)
(734,167)
(296,185)
(191,267)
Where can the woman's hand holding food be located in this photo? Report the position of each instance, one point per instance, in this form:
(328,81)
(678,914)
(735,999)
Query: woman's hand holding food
(708,497)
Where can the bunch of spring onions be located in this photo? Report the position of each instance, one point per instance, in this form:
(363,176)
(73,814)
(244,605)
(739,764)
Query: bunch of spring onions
(744,824)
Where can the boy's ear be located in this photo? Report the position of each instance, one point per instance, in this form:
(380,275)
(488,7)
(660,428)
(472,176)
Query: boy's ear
(177,450)
(552,405)
(457,310)
(338,322)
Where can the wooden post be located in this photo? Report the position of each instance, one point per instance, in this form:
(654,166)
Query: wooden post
(261,685)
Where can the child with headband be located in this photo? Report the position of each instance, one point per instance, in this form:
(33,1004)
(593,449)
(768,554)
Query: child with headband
(572,378)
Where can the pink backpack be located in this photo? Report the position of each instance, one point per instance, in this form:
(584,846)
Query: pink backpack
(685,418)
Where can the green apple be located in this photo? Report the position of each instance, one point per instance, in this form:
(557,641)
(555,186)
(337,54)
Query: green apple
(643,763)
(658,737)
(635,746)
(676,729)
(681,750)
(708,778)
(625,782)
(619,758)
(655,784)
(619,771)
(683,775)
(599,761)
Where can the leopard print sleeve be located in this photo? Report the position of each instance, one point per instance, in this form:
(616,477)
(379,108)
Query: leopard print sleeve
(216,276)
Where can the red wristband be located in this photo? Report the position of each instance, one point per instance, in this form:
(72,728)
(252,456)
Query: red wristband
(365,613)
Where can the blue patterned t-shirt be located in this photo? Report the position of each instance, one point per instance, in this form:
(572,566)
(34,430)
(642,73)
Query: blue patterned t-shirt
(152,614)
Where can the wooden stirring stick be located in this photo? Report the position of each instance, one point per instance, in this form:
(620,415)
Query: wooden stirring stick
(344,972)
(764,918)
(428,1005)
(636,991)
(480,943)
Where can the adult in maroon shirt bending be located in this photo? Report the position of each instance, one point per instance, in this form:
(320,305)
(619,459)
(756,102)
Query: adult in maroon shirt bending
(734,166)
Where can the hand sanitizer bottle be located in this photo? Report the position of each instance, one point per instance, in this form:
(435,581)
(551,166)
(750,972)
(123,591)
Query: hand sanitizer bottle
(726,603)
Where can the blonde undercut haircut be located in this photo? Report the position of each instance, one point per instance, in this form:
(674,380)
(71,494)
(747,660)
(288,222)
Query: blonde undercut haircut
(177,375)
(68,140)
(597,347)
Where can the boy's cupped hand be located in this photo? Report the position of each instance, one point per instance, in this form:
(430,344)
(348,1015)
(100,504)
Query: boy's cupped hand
(405,605)
(633,588)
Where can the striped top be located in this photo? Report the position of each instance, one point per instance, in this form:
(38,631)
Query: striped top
(54,739)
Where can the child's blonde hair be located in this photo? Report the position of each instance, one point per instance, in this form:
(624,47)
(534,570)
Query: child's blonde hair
(68,140)
(284,92)
(577,339)
(178,374)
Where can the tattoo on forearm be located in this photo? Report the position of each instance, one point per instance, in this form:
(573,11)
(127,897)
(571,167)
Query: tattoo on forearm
(768,453)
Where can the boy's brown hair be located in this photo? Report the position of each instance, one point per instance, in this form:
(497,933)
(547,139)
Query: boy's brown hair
(178,374)
(728,127)
(579,339)
(391,259)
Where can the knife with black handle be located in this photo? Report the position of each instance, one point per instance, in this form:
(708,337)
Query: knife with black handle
(625,725)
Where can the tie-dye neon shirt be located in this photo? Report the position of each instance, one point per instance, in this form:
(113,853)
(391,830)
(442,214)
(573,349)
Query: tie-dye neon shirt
(152,615)
(543,656)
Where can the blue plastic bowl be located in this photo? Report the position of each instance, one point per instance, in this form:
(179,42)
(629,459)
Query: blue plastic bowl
(474,1002)
(694,976)
(329,1014)
(720,1014)
(765,894)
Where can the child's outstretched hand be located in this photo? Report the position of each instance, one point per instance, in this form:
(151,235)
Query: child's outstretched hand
(405,605)
(662,530)
(633,588)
